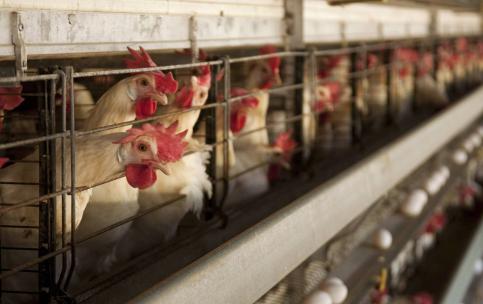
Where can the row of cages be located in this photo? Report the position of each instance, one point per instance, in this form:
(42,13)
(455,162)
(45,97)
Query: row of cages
(89,186)
(381,256)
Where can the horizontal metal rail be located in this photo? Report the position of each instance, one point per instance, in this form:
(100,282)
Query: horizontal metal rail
(261,256)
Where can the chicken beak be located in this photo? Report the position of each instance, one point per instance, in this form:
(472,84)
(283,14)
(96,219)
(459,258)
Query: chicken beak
(163,167)
(161,98)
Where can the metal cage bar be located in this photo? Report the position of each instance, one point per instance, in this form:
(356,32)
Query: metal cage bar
(305,65)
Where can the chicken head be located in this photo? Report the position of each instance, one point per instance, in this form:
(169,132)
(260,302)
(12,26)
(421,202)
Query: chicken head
(148,148)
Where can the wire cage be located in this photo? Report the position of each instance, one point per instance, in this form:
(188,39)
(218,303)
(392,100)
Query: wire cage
(332,102)
(351,255)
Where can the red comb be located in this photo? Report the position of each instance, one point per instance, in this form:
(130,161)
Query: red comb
(273,62)
(170,145)
(334,61)
(334,88)
(204,78)
(462,44)
(405,54)
(140,59)
(3,161)
(10,97)
(184,97)
(164,82)
(285,142)
(372,61)
(202,55)
(238,115)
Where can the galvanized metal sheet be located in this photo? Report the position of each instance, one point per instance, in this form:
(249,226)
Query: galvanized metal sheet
(55,32)
(266,8)
(244,268)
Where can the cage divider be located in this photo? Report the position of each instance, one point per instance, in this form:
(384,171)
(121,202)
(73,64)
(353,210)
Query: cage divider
(226,137)
(298,104)
(387,55)
(70,86)
(210,139)
(356,117)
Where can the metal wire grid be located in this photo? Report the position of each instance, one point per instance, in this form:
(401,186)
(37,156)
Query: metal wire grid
(49,247)
(302,280)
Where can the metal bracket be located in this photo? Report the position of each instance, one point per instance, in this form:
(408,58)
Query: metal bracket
(294,35)
(380,30)
(17,27)
(193,36)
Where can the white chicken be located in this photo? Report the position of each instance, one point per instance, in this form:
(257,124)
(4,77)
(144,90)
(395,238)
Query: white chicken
(429,94)
(331,119)
(402,86)
(444,71)
(189,177)
(376,93)
(133,97)
(248,124)
(339,117)
(98,158)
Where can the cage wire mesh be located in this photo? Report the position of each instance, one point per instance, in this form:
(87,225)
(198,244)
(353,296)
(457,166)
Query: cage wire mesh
(253,129)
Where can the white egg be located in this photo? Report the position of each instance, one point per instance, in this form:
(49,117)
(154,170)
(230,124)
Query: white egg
(478,267)
(318,297)
(338,292)
(414,203)
(460,157)
(334,280)
(419,248)
(382,239)
(468,145)
(444,170)
(432,185)
(427,240)
(439,178)
(476,140)
(480,131)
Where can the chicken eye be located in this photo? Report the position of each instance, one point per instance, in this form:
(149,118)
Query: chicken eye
(144,82)
(202,95)
(142,147)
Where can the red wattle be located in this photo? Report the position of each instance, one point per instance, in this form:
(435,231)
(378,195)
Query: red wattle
(237,121)
(140,176)
(145,107)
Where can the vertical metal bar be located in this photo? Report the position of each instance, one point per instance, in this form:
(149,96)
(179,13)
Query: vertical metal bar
(17,30)
(211,138)
(299,66)
(312,83)
(52,206)
(421,49)
(70,85)
(226,130)
(47,185)
(356,119)
(387,56)
(63,173)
